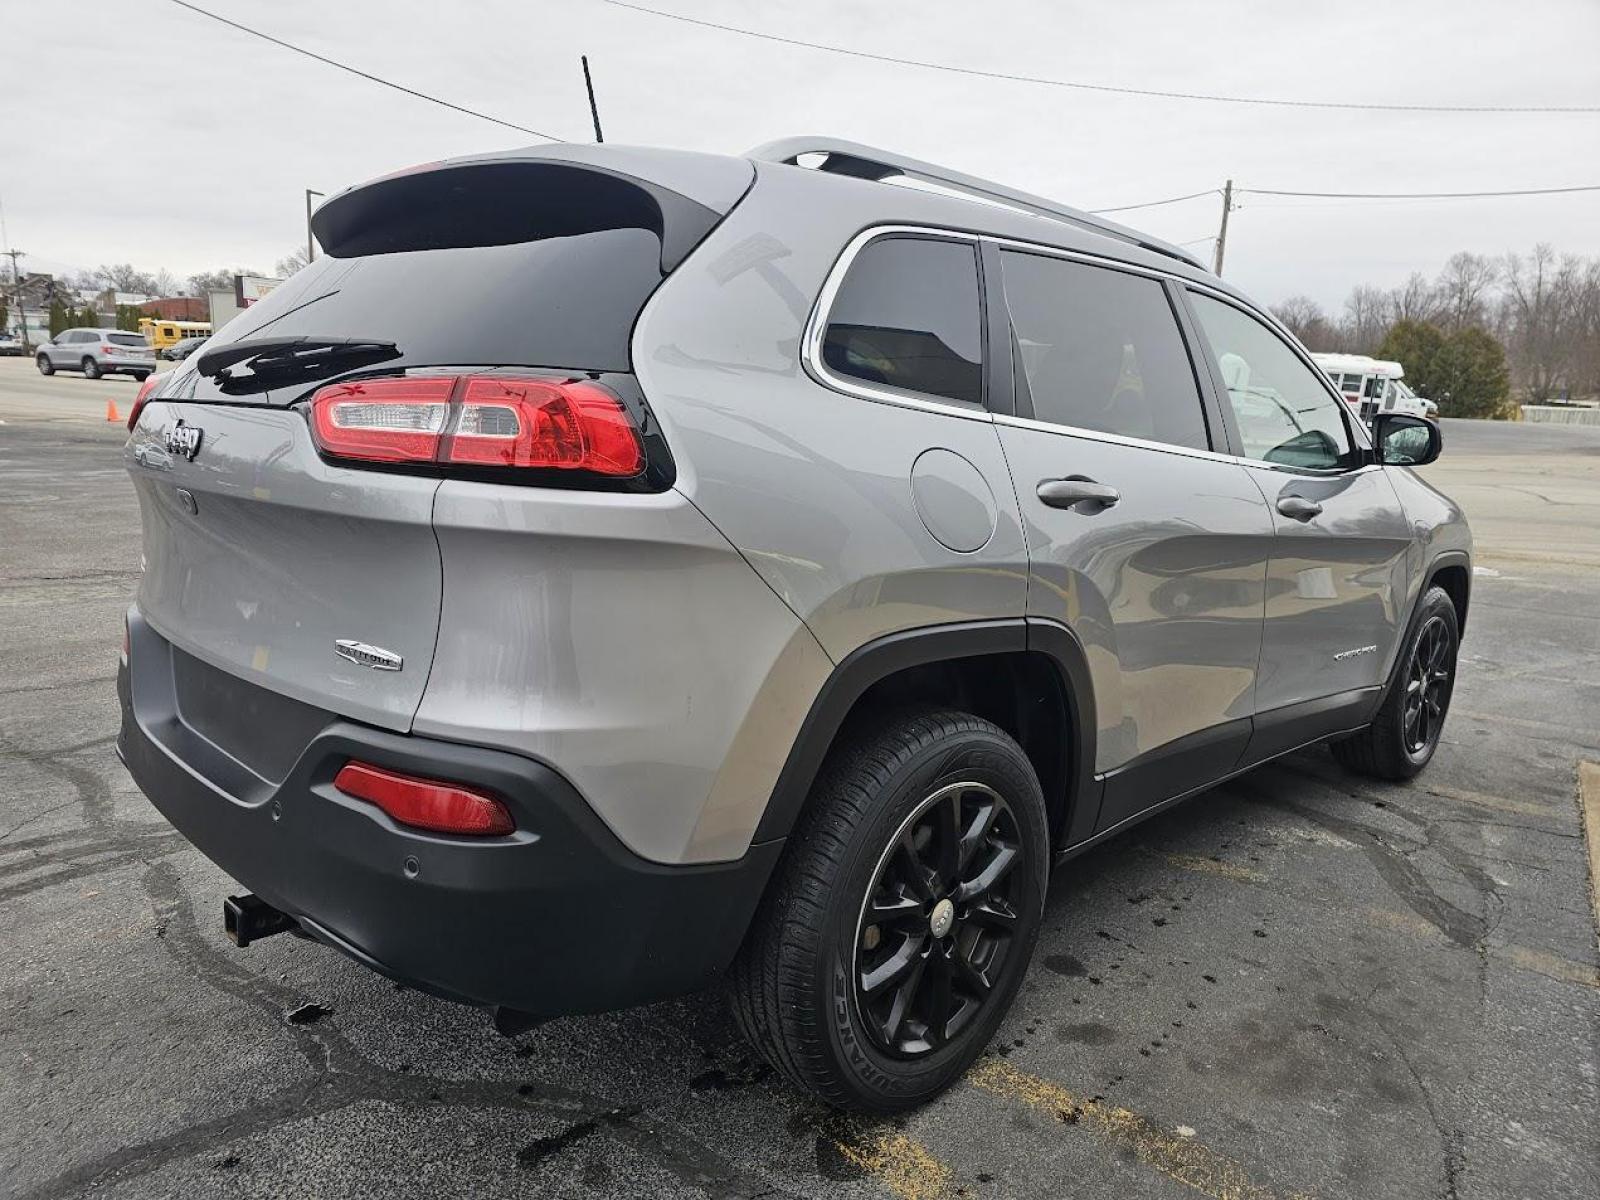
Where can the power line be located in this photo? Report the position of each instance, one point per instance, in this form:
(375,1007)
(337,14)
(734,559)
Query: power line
(1154,203)
(267,37)
(1551,191)
(1102,87)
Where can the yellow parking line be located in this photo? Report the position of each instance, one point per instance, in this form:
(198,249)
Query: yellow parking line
(1549,965)
(1527,808)
(1173,1154)
(905,1166)
(1589,801)
(1210,866)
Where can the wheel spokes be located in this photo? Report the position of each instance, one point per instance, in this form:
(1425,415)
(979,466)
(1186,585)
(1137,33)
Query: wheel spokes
(991,872)
(914,870)
(939,996)
(947,831)
(900,963)
(977,831)
(947,871)
(893,909)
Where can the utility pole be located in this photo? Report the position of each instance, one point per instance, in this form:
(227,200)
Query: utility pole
(16,291)
(594,109)
(311,244)
(1222,234)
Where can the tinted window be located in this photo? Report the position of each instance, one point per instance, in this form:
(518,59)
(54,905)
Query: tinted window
(1284,412)
(566,302)
(125,339)
(1100,349)
(907,316)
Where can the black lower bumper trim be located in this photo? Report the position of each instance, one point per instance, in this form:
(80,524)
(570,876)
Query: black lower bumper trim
(558,917)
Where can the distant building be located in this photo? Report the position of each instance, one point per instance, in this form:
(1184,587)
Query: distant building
(176,308)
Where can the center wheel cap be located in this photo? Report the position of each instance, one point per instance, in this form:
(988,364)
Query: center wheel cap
(941,918)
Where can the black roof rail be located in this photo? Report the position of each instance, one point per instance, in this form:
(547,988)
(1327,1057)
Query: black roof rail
(868,162)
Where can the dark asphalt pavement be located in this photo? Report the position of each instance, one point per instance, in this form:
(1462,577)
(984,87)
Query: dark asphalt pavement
(1297,984)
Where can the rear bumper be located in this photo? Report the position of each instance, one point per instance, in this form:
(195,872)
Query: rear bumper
(557,918)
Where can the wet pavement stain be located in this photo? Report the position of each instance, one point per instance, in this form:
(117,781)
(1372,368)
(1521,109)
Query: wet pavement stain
(536,1151)
(1089,1033)
(1065,965)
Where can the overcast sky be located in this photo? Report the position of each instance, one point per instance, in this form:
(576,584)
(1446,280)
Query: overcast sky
(149,134)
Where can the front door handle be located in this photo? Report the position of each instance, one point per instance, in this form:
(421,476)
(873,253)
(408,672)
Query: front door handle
(1298,507)
(1076,489)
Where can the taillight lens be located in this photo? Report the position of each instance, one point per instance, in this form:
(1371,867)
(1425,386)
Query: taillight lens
(382,420)
(150,384)
(479,420)
(425,803)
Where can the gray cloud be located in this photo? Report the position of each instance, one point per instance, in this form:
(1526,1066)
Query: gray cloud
(180,143)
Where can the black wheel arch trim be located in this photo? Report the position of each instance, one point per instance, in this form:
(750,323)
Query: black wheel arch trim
(885,656)
(1439,562)
(1447,558)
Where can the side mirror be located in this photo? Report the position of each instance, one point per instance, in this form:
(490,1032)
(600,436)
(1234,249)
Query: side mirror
(1406,441)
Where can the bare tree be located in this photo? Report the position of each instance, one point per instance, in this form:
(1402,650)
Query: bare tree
(163,283)
(288,265)
(1464,288)
(1366,318)
(125,277)
(1415,300)
(1539,318)
(1305,319)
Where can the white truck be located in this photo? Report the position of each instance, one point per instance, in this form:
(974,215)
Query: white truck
(1373,385)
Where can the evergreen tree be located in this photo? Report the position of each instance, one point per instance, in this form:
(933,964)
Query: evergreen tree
(59,317)
(1471,376)
(1415,345)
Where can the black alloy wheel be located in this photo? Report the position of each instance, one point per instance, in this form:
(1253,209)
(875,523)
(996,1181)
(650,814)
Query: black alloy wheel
(938,920)
(1429,676)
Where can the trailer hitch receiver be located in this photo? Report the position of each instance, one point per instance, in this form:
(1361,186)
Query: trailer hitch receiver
(248,918)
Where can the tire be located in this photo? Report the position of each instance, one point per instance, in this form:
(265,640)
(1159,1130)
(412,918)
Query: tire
(46,367)
(798,987)
(91,369)
(1404,735)
(140,376)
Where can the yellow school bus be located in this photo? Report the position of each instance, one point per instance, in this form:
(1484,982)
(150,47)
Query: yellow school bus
(161,334)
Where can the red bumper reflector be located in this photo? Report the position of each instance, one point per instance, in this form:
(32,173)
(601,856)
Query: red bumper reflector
(425,803)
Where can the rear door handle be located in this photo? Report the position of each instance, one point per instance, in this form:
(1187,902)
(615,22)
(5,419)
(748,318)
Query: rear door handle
(1076,489)
(1298,507)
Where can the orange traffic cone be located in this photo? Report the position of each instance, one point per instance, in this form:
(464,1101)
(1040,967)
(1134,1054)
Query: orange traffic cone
(111,411)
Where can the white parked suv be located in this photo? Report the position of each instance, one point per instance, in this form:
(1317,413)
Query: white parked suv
(97,352)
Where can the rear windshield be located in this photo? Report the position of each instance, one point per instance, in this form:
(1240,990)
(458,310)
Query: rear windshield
(126,339)
(558,302)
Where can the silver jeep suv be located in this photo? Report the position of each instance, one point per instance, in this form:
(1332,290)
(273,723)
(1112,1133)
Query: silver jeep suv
(750,569)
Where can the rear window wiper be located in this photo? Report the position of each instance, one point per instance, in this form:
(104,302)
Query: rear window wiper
(300,355)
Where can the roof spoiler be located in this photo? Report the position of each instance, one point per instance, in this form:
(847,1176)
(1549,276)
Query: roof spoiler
(868,162)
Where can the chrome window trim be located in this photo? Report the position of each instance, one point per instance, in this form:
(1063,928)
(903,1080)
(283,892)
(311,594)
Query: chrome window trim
(817,326)
(1114,439)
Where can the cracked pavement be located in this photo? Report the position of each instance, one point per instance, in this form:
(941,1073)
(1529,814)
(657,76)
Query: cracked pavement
(1300,983)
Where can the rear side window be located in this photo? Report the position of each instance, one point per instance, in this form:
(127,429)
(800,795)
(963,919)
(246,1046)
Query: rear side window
(1100,349)
(908,317)
(1285,415)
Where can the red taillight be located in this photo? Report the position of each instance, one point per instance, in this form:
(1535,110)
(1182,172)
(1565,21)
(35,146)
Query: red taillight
(150,384)
(479,420)
(531,423)
(425,803)
(382,420)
